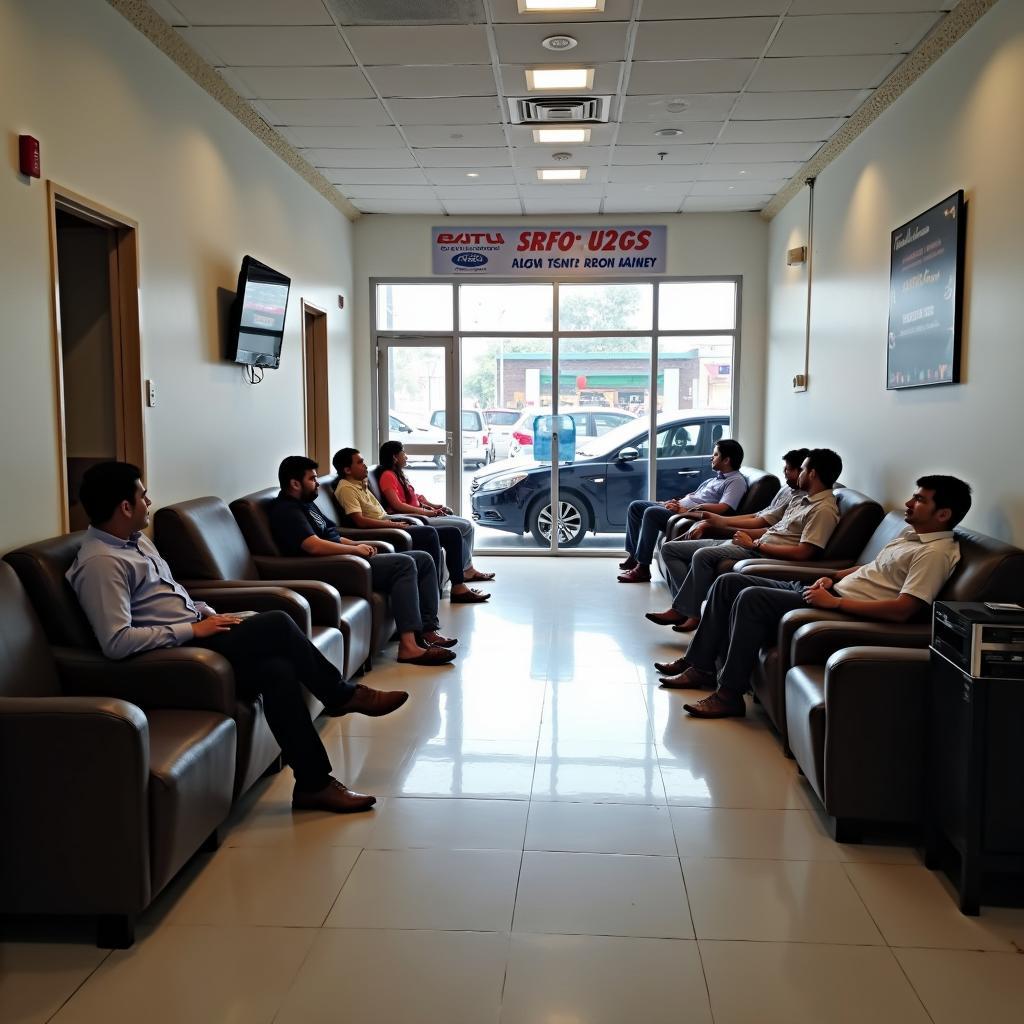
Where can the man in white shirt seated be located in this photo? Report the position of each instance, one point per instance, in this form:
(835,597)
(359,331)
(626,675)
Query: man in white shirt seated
(743,612)
(800,535)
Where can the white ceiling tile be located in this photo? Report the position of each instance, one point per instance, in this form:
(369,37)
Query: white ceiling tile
(599,43)
(407,12)
(439,136)
(569,204)
(168,12)
(389,191)
(643,134)
(465,110)
(653,10)
(867,6)
(647,173)
(782,74)
(457,80)
(556,192)
(663,190)
(540,156)
(776,105)
(331,157)
(638,204)
(513,80)
(281,46)
(398,205)
(324,112)
(298,83)
(470,206)
(764,153)
(632,155)
(722,204)
(354,137)
(507,11)
(748,171)
(522,135)
(821,35)
(420,44)
(375,176)
(474,191)
(458,175)
(737,188)
(682,77)
(463,157)
(254,12)
(708,106)
(701,39)
(806,129)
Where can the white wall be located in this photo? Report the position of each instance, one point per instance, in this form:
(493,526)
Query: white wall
(727,243)
(121,124)
(959,126)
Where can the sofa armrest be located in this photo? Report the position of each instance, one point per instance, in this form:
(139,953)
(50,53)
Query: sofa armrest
(801,572)
(789,625)
(256,596)
(398,539)
(816,642)
(348,574)
(188,678)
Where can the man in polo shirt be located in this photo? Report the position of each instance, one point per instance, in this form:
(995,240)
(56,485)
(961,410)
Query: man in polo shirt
(800,534)
(677,554)
(743,612)
(721,492)
(407,577)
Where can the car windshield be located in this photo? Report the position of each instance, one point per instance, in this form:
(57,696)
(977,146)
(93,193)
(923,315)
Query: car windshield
(501,419)
(627,432)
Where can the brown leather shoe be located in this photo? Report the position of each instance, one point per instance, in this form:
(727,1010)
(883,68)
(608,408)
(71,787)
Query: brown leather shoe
(669,618)
(689,679)
(435,639)
(640,574)
(629,563)
(372,703)
(671,668)
(333,797)
(717,706)
(432,656)
(687,626)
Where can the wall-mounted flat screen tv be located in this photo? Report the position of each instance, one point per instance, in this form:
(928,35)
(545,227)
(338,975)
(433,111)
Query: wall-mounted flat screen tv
(257,315)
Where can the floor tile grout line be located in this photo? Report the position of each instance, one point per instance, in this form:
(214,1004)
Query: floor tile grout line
(78,988)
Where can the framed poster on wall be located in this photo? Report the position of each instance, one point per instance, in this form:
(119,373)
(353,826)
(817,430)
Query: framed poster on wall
(926,297)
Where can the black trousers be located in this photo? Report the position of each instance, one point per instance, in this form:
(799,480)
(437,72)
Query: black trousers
(432,539)
(273,657)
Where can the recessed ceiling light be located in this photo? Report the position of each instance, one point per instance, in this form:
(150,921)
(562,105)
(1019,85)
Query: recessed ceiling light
(668,133)
(538,79)
(676,106)
(559,43)
(561,134)
(561,173)
(537,6)
(472,174)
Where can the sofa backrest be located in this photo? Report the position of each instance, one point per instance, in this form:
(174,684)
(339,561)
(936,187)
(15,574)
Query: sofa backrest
(859,515)
(988,570)
(252,513)
(762,486)
(26,665)
(41,568)
(327,502)
(201,541)
(891,526)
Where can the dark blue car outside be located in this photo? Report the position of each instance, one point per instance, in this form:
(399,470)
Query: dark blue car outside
(595,490)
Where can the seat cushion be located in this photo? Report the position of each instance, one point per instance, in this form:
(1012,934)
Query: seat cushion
(356,627)
(331,644)
(805,719)
(191,780)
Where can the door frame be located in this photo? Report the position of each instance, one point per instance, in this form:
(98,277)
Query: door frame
(130,427)
(315,387)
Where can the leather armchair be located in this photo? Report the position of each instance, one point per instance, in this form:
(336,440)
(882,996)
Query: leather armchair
(113,776)
(190,673)
(205,548)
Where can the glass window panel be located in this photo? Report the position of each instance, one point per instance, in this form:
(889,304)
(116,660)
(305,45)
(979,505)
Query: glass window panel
(605,307)
(695,373)
(697,305)
(505,307)
(414,307)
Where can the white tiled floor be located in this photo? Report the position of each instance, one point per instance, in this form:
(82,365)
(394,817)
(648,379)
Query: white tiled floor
(554,841)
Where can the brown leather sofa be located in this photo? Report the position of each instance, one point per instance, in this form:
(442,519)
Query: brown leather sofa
(204,546)
(347,574)
(41,568)
(115,773)
(331,507)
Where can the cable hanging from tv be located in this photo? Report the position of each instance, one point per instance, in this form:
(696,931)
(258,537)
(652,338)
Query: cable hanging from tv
(253,374)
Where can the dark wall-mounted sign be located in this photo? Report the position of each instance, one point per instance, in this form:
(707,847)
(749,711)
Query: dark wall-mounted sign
(926,297)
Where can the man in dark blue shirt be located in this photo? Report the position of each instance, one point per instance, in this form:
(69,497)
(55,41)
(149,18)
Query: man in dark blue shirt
(408,578)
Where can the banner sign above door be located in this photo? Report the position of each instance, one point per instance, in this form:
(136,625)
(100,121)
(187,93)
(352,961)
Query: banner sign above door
(551,251)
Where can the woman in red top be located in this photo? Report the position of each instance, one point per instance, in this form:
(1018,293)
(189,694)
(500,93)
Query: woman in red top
(400,496)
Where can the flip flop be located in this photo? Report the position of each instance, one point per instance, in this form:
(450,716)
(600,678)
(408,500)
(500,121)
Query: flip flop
(480,577)
(469,597)
(440,640)
(431,656)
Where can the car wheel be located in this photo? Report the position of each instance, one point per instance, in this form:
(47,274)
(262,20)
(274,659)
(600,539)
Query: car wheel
(492,455)
(574,521)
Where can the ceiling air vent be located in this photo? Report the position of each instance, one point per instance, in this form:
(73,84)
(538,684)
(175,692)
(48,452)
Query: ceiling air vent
(559,109)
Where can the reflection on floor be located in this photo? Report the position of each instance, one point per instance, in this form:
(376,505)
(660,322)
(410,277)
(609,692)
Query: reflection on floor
(554,842)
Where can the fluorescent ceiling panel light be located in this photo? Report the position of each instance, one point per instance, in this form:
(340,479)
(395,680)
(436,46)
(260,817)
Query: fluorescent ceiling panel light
(536,6)
(561,173)
(561,134)
(541,79)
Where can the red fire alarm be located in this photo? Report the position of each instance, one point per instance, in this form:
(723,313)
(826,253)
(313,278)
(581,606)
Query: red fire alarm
(28,155)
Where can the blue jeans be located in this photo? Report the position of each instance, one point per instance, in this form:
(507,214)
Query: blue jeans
(409,580)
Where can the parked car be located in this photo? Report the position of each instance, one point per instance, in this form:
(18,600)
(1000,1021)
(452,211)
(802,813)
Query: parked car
(595,490)
(589,423)
(501,422)
(477,449)
(403,427)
